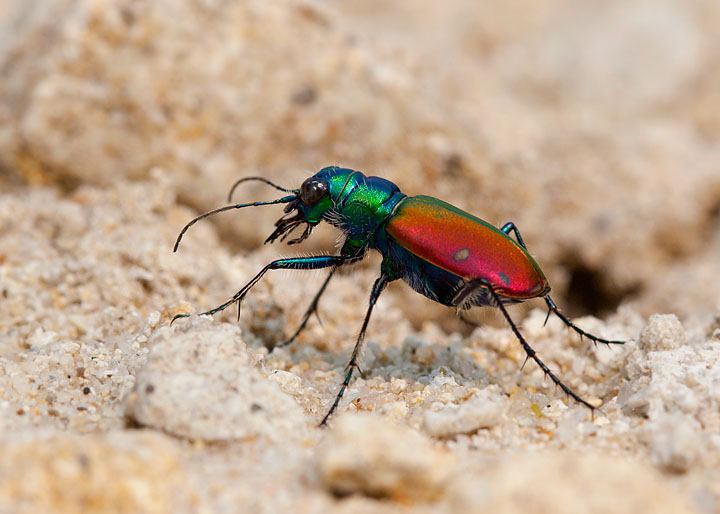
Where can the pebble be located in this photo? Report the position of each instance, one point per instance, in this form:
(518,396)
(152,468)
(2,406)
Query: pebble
(369,455)
(483,410)
(200,383)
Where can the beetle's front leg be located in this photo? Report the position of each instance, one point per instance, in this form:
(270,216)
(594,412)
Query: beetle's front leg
(297,263)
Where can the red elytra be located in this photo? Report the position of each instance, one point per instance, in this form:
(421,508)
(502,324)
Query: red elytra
(467,246)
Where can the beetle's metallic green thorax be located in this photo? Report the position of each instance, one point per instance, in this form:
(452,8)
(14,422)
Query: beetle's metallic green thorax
(356,204)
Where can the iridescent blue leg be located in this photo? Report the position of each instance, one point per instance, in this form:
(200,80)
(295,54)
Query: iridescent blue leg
(510,227)
(378,288)
(298,263)
(531,354)
(311,310)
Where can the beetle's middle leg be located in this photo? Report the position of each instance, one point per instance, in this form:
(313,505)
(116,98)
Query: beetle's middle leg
(473,285)
(378,288)
(510,227)
(312,309)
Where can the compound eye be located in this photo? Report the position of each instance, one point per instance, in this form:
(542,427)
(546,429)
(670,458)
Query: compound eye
(312,190)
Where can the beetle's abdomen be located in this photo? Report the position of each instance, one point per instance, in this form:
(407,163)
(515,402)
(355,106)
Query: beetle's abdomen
(464,245)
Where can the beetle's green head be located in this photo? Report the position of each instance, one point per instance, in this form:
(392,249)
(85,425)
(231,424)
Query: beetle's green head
(315,200)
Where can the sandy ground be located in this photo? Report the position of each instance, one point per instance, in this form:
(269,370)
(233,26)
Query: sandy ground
(594,126)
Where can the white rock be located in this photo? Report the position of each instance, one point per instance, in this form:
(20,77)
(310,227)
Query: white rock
(200,383)
(366,454)
(483,410)
(663,332)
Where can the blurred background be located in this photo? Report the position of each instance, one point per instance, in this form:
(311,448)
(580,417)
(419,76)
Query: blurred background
(594,125)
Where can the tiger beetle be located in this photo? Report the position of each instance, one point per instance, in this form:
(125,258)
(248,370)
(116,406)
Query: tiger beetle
(442,252)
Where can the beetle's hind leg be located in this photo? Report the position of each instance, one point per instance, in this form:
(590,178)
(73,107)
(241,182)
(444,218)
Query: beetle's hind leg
(553,308)
(312,309)
(531,354)
(510,227)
